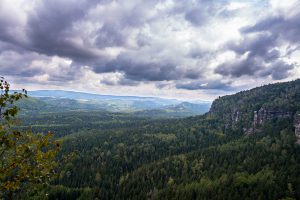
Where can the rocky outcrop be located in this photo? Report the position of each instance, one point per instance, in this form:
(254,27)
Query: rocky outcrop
(237,115)
(297,127)
(264,115)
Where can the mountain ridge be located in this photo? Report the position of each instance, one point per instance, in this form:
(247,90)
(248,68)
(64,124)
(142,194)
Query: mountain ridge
(60,93)
(62,100)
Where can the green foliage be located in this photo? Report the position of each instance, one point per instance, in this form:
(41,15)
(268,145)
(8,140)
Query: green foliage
(279,96)
(144,160)
(25,157)
(121,156)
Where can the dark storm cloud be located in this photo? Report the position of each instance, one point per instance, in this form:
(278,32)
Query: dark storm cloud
(259,48)
(259,45)
(140,66)
(141,71)
(278,70)
(126,37)
(11,31)
(255,67)
(50,29)
(15,64)
(253,52)
(201,85)
(6,46)
(238,68)
(280,27)
(48,32)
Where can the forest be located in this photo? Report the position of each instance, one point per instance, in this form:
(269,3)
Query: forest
(110,155)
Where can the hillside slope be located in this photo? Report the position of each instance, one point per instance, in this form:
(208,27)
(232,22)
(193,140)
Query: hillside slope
(204,157)
(241,107)
(234,164)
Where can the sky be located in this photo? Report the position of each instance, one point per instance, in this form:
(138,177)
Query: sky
(195,49)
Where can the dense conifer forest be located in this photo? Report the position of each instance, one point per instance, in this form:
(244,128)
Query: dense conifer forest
(212,156)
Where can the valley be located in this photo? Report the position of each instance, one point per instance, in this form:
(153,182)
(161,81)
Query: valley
(130,156)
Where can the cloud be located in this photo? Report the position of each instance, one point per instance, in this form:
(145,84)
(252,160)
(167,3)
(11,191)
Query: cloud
(169,44)
(28,66)
(278,71)
(202,12)
(52,29)
(142,71)
(239,67)
(264,49)
(90,35)
(115,79)
(197,16)
(282,27)
(200,85)
(16,64)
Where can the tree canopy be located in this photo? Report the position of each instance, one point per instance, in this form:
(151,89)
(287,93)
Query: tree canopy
(25,157)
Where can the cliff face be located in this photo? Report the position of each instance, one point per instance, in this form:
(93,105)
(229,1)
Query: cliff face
(237,115)
(269,101)
(297,127)
(261,116)
(264,115)
(250,109)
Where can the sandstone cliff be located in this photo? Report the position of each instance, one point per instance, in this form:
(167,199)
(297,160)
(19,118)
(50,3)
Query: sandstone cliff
(297,127)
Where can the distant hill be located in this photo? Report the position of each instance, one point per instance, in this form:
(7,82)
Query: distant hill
(90,96)
(60,100)
(190,107)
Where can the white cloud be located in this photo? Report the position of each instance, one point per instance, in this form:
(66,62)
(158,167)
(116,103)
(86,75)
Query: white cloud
(131,47)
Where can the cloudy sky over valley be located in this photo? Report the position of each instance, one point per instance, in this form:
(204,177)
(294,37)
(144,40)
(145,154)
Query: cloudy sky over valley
(197,49)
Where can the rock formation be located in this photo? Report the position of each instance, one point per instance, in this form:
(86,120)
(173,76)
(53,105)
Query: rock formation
(264,115)
(297,127)
(237,115)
